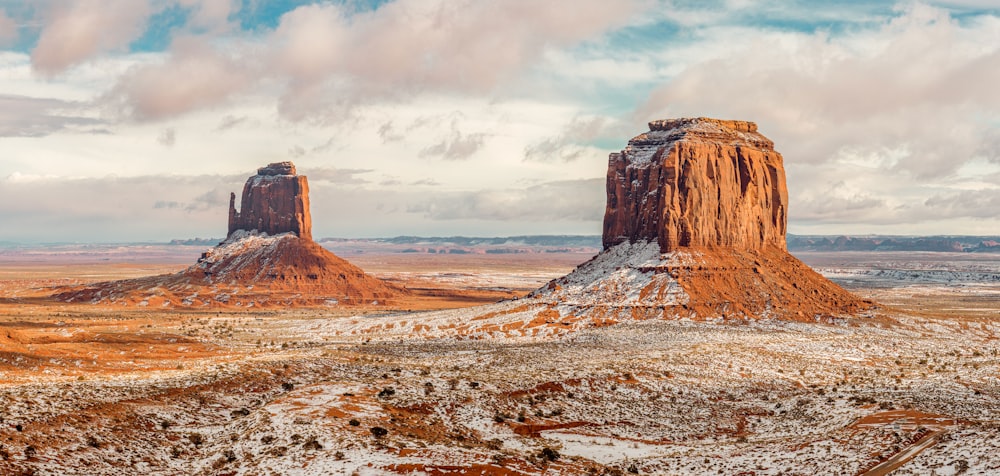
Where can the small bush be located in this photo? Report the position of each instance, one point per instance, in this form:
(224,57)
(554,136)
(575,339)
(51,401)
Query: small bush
(386,392)
(354,422)
(379,432)
(548,454)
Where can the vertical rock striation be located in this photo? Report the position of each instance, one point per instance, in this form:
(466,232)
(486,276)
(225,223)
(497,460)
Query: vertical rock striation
(695,227)
(267,259)
(274,201)
(697,182)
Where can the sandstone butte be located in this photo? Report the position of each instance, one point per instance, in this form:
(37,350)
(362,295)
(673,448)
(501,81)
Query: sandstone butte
(267,259)
(695,226)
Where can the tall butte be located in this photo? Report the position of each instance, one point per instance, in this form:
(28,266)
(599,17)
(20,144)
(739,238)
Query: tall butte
(695,227)
(275,201)
(267,259)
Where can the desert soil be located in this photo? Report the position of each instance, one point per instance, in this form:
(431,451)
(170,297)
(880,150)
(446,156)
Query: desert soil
(125,390)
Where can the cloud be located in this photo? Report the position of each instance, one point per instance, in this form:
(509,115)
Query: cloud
(387,132)
(211,15)
(8,30)
(230,121)
(194,75)
(336,58)
(457,146)
(78,30)
(22,116)
(426,181)
(168,137)
(920,79)
(565,200)
(335,175)
(114,208)
(967,203)
(572,143)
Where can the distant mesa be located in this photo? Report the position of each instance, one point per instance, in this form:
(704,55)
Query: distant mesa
(695,226)
(268,258)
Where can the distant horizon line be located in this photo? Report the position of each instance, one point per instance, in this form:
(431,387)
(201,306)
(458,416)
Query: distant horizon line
(179,241)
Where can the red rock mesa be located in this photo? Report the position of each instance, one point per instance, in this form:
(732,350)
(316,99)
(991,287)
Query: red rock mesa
(695,227)
(275,201)
(267,259)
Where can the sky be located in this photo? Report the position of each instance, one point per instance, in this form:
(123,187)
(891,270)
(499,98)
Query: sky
(133,120)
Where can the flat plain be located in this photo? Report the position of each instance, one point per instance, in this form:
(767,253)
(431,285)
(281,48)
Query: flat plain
(113,389)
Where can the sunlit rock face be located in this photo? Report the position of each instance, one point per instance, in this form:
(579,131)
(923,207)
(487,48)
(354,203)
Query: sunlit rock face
(274,201)
(695,228)
(697,182)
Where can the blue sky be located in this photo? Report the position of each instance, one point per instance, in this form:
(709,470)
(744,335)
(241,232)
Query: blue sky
(127,120)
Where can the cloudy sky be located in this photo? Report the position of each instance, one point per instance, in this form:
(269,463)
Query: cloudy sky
(129,120)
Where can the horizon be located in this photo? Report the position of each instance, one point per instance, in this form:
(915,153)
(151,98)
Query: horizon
(468,237)
(133,120)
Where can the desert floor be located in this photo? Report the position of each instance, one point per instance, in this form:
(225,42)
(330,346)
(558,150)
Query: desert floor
(127,390)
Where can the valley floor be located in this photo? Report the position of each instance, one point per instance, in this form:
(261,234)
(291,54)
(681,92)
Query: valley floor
(915,390)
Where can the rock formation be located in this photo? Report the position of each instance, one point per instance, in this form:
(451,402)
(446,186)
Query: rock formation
(267,259)
(274,201)
(695,227)
(697,183)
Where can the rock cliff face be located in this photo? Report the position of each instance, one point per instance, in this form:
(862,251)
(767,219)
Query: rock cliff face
(268,259)
(274,201)
(695,227)
(697,182)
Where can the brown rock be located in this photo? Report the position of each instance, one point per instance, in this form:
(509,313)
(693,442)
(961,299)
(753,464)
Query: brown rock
(695,227)
(260,264)
(274,201)
(697,182)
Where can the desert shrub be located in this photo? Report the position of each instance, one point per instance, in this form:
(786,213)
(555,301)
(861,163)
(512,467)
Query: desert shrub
(386,392)
(312,444)
(378,431)
(287,386)
(278,451)
(196,439)
(354,422)
(548,454)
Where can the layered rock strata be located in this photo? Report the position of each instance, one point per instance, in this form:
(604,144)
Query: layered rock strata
(697,183)
(695,227)
(274,201)
(267,259)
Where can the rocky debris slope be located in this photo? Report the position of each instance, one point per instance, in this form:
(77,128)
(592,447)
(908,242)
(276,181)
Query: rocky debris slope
(695,227)
(268,259)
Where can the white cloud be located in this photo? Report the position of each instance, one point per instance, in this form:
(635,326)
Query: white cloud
(33,117)
(914,98)
(211,15)
(194,75)
(78,30)
(335,59)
